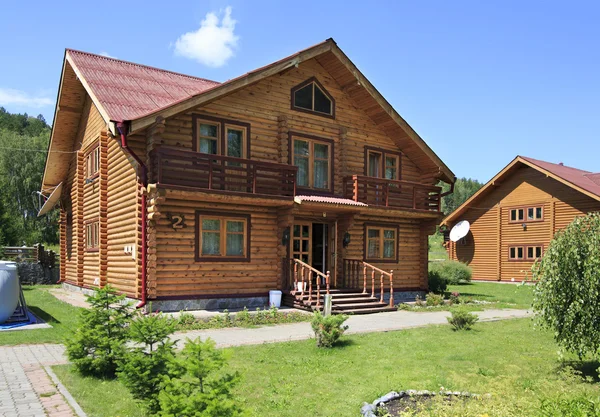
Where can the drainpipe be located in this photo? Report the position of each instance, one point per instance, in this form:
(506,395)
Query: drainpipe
(143,182)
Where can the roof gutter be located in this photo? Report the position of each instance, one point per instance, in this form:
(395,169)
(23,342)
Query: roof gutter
(123,128)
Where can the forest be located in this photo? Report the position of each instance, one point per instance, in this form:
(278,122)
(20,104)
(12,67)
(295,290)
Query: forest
(23,147)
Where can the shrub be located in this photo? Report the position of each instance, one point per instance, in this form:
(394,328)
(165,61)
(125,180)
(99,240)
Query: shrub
(437,283)
(433,300)
(98,344)
(566,294)
(461,319)
(453,272)
(455,297)
(573,407)
(328,329)
(144,366)
(197,385)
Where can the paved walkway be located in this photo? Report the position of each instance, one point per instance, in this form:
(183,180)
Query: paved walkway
(381,322)
(25,387)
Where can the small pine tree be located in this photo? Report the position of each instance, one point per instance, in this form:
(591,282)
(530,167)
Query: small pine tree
(328,329)
(197,385)
(98,344)
(144,366)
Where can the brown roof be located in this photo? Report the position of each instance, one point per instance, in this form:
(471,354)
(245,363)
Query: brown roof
(328,200)
(585,182)
(126,90)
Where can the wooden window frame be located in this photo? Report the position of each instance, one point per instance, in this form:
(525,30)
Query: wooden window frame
(223,125)
(312,80)
(381,227)
(92,231)
(534,246)
(525,210)
(311,139)
(384,153)
(92,162)
(223,216)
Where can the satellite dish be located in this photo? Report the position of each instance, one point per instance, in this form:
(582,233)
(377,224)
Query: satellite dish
(460,230)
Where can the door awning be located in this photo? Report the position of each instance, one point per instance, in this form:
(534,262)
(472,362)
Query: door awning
(52,200)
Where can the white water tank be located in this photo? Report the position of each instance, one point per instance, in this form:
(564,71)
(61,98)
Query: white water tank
(9,289)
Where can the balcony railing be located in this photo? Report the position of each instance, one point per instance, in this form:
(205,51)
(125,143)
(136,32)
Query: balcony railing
(219,173)
(392,193)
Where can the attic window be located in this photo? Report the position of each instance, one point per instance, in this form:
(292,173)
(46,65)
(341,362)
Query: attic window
(311,96)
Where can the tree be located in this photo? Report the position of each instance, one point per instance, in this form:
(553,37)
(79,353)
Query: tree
(98,345)
(464,188)
(197,385)
(567,294)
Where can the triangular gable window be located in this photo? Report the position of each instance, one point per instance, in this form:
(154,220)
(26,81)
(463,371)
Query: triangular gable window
(311,96)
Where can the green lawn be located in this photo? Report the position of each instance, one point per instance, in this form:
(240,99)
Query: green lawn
(60,315)
(506,295)
(436,250)
(512,360)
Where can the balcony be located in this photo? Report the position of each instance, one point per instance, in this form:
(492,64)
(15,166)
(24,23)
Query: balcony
(392,193)
(222,174)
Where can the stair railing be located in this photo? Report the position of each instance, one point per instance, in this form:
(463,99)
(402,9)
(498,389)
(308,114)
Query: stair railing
(306,271)
(382,274)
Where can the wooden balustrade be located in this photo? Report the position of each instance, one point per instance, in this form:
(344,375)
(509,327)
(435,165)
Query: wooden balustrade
(182,168)
(352,276)
(392,193)
(302,275)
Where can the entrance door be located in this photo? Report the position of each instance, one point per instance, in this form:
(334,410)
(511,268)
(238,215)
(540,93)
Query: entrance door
(302,242)
(320,249)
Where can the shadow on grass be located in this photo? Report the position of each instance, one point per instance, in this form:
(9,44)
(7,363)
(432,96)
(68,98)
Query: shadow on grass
(48,318)
(587,370)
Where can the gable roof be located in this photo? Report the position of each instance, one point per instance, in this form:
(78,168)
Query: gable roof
(585,182)
(127,92)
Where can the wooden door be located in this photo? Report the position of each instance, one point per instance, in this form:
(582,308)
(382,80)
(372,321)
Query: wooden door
(302,242)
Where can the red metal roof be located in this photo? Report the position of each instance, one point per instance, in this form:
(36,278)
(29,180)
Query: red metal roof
(127,90)
(329,200)
(586,180)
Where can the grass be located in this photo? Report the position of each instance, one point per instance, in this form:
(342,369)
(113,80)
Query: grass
(511,359)
(436,250)
(505,295)
(60,315)
(98,397)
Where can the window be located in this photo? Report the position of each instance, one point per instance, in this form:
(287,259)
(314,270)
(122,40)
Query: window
(527,214)
(313,158)
(92,162)
(516,253)
(222,238)
(92,235)
(381,243)
(382,164)
(534,252)
(310,96)
(221,137)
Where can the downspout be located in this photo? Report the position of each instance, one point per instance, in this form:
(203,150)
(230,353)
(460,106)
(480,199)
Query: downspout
(451,190)
(143,182)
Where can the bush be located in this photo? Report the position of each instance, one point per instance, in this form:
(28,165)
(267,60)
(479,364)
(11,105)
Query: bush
(437,283)
(455,297)
(573,407)
(461,319)
(328,329)
(453,272)
(98,344)
(433,300)
(197,385)
(568,287)
(144,366)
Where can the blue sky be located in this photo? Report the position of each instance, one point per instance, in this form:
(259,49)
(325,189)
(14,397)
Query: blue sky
(480,81)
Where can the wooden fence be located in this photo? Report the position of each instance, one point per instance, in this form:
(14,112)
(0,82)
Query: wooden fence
(35,254)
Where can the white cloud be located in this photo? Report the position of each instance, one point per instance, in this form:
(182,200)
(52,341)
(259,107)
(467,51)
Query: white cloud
(9,96)
(106,54)
(213,43)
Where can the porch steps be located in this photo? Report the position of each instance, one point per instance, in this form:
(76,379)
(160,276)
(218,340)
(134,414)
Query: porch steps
(343,302)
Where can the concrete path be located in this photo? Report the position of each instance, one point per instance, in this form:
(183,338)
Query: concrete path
(25,387)
(381,322)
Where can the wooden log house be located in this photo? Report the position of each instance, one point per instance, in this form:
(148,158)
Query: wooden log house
(190,193)
(515,215)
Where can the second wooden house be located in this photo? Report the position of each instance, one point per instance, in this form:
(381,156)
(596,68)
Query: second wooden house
(190,193)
